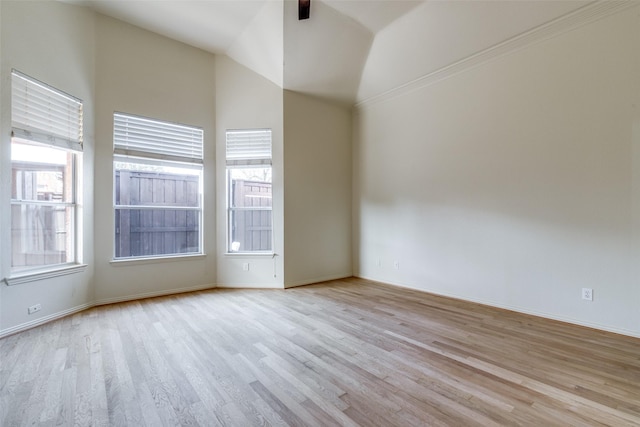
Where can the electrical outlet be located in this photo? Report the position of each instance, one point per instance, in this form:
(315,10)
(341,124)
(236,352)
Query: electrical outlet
(587,294)
(34,308)
(245,266)
(379,263)
(396,265)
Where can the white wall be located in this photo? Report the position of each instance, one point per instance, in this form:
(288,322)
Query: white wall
(246,100)
(317,190)
(54,43)
(142,73)
(114,66)
(515,183)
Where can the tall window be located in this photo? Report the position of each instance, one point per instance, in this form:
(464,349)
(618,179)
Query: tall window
(249,195)
(157,188)
(46,145)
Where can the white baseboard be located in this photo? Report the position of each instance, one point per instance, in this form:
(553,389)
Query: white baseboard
(248,286)
(317,280)
(43,320)
(152,294)
(517,309)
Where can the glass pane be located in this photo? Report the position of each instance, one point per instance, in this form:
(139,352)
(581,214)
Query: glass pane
(250,187)
(41,173)
(250,230)
(250,201)
(152,232)
(156,184)
(41,235)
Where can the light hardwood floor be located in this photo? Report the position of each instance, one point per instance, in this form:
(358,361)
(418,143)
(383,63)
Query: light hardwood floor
(346,352)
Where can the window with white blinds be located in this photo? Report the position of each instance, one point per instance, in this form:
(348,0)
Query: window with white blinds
(158,188)
(249,191)
(46,147)
(248,147)
(43,114)
(143,137)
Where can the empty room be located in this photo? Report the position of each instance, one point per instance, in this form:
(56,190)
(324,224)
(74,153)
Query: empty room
(320,212)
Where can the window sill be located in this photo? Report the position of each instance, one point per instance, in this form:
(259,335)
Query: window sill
(250,254)
(33,276)
(154,260)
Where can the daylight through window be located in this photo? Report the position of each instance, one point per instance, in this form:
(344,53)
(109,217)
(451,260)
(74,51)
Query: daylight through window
(249,191)
(157,188)
(45,148)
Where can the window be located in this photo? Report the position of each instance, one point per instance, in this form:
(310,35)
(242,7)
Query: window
(249,195)
(157,188)
(46,145)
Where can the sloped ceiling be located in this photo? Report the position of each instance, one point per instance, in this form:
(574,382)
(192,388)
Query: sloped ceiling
(325,55)
(439,33)
(349,50)
(211,25)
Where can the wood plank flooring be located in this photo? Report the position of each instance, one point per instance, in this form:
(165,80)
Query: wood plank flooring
(347,352)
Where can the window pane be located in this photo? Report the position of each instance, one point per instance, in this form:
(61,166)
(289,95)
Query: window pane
(41,173)
(155,230)
(156,184)
(152,232)
(250,203)
(41,235)
(250,230)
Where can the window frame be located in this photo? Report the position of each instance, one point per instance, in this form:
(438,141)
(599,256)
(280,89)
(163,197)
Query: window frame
(47,118)
(140,157)
(235,161)
(71,204)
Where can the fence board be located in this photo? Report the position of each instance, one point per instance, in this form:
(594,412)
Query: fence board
(156,231)
(252,228)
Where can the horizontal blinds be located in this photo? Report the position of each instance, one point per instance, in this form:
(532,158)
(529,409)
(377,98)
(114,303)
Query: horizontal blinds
(43,114)
(139,136)
(249,147)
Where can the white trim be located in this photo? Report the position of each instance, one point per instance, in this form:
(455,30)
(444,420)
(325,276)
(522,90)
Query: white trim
(60,314)
(153,294)
(120,262)
(541,314)
(250,286)
(43,320)
(571,21)
(317,280)
(46,319)
(250,254)
(33,276)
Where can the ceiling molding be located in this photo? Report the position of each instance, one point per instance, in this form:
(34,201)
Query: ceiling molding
(571,21)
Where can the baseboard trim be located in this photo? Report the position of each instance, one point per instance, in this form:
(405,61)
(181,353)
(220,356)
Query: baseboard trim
(55,316)
(43,320)
(105,301)
(317,280)
(544,315)
(153,294)
(247,286)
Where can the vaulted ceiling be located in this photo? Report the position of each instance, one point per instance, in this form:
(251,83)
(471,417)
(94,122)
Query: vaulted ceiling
(349,50)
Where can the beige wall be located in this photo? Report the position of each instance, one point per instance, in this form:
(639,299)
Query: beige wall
(54,43)
(246,100)
(514,183)
(142,73)
(317,190)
